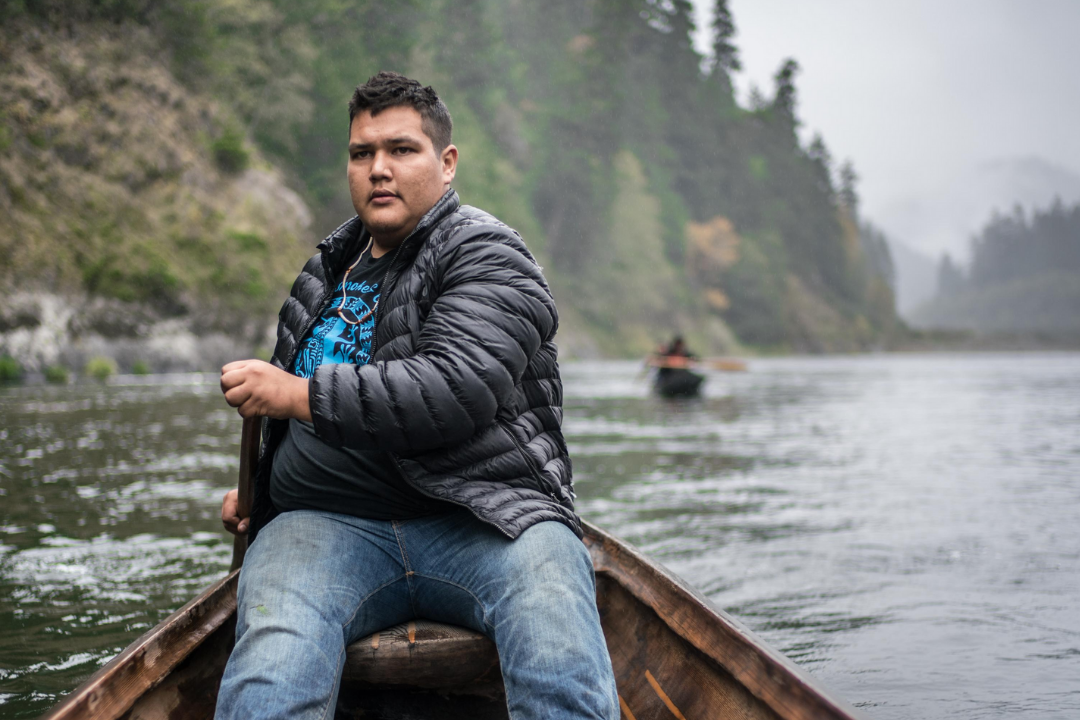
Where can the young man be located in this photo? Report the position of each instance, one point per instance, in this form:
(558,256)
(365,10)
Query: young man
(414,464)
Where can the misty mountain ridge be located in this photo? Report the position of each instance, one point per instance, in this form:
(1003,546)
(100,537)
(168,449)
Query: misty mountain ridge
(950,222)
(1024,277)
(962,204)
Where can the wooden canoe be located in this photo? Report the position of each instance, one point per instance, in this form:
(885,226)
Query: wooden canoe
(677,382)
(674,655)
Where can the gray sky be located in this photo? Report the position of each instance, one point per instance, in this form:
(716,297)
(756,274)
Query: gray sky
(947,107)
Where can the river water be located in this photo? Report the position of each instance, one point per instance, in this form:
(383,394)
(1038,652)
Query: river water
(905,527)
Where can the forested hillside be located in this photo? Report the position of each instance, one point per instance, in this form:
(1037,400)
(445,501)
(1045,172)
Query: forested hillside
(655,202)
(1024,277)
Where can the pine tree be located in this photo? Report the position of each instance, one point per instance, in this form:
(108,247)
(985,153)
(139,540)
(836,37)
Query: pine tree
(848,196)
(725,55)
(821,160)
(783,104)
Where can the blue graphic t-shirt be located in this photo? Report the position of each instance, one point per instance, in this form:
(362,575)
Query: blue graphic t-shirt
(308,474)
(333,340)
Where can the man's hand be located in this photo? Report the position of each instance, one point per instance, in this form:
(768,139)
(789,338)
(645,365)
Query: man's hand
(257,388)
(229,517)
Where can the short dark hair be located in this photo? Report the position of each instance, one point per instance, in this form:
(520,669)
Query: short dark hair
(390,89)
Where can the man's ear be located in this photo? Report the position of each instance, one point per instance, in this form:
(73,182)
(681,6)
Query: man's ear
(449,159)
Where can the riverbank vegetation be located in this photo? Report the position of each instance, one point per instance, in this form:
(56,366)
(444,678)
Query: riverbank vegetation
(151,150)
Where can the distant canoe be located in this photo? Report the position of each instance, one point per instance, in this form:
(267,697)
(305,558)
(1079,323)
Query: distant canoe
(677,382)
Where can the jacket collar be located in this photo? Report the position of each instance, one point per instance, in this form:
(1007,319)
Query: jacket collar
(340,245)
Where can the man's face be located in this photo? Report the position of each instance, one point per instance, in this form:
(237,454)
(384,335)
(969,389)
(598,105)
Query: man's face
(395,174)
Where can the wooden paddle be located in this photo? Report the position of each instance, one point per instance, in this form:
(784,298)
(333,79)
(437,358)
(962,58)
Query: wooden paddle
(250,438)
(685,363)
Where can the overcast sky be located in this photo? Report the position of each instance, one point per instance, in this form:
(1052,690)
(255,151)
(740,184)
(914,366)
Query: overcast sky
(947,107)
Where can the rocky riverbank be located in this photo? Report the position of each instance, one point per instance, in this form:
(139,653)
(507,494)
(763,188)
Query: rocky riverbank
(43,330)
(137,221)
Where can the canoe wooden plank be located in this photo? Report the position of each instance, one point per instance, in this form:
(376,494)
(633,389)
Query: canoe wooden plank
(143,665)
(765,673)
(425,654)
(657,674)
(190,690)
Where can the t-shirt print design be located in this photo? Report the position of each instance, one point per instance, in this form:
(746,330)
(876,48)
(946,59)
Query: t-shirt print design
(333,340)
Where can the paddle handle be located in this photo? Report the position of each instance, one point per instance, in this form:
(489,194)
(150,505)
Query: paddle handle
(250,438)
(677,362)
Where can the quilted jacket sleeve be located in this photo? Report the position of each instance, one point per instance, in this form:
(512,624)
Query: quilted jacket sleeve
(492,313)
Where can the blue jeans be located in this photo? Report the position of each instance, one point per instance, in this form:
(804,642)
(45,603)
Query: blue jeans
(314,582)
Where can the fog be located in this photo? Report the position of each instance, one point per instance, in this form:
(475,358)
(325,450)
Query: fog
(948,109)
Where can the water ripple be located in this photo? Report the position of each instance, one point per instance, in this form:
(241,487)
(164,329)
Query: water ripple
(905,527)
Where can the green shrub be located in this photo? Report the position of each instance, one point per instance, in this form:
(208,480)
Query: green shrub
(249,242)
(56,374)
(150,280)
(140,367)
(10,370)
(38,140)
(101,368)
(229,151)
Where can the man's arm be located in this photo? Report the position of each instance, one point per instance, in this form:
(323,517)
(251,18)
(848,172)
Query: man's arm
(492,314)
(258,389)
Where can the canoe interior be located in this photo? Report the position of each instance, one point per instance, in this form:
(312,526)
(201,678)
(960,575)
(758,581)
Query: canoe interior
(673,655)
(190,690)
(658,675)
(637,640)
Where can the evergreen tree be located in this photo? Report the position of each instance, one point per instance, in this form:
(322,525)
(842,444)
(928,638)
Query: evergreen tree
(725,56)
(784,100)
(848,196)
(756,99)
(821,161)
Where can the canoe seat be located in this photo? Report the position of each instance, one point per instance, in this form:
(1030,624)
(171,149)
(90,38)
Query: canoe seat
(424,654)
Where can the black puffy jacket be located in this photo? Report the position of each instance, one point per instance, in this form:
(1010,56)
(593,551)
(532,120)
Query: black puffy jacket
(463,389)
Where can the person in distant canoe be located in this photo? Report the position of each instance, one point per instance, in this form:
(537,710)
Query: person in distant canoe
(413,464)
(672,355)
(677,348)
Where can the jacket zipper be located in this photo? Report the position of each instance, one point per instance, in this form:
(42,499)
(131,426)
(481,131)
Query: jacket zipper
(392,456)
(535,471)
(378,307)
